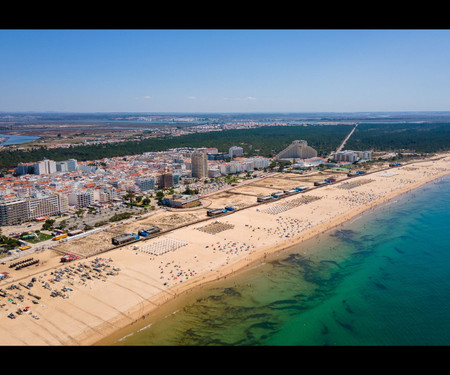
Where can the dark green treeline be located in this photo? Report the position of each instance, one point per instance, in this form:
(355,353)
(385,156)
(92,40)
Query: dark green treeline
(264,141)
(412,137)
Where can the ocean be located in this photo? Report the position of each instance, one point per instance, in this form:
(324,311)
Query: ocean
(381,279)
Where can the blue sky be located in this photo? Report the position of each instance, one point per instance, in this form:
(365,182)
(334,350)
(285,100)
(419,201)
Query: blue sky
(224,70)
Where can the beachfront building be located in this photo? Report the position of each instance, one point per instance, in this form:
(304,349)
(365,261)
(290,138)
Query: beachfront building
(181,201)
(243,165)
(352,156)
(308,163)
(40,205)
(297,150)
(14,211)
(199,164)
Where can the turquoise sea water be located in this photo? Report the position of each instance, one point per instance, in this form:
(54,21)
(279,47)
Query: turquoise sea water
(382,279)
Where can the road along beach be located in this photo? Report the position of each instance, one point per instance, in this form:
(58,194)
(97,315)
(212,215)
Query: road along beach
(86,301)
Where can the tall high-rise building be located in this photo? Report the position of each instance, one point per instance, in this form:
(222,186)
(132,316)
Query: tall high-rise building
(45,167)
(72,165)
(61,166)
(199,164)
(167,179)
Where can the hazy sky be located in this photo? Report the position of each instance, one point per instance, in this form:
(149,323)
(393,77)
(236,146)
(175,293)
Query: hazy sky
(224,70)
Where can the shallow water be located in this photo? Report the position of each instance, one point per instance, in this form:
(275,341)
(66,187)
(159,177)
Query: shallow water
(381,279)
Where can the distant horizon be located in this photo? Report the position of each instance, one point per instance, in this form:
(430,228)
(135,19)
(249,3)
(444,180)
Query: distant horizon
(223,112)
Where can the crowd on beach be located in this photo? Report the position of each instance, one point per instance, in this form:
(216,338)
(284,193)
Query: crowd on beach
(286,227)
(353,184)
(215,227)
(231,247)
(170,271)
(24,298)
(357,198)
(59,283)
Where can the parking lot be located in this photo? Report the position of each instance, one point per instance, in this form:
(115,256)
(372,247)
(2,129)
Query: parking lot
(103,214)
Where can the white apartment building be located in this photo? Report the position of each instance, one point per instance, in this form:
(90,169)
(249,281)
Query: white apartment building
(244,165)
(81,199)
(260,162)
(45,167)
(352,156)
(14,211)
(61,166)
(39,206)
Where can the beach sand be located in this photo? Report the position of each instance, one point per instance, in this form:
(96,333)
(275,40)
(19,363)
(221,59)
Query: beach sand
(135,281)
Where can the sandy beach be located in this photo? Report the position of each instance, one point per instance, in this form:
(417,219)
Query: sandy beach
(86,301)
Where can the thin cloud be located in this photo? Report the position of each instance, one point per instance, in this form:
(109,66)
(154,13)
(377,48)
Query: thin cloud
(246,98)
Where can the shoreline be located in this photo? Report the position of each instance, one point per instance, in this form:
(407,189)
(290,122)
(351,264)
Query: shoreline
(98,314)
(254,260)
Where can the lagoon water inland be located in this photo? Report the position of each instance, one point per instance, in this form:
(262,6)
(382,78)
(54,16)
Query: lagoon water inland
(12,139)
(381,279)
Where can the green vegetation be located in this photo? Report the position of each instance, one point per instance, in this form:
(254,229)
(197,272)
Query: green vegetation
(101,223)
(48,225)
(190,191)
(401,137)
(7,243)
(121,216)
(41,237)
(265,141)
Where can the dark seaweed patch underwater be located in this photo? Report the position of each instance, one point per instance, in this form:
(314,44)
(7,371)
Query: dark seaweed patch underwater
(380,280)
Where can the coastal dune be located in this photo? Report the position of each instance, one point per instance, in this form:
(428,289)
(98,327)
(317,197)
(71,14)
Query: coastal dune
(133,282)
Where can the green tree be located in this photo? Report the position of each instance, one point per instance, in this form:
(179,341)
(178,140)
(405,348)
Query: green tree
(48,224)
(62,224)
